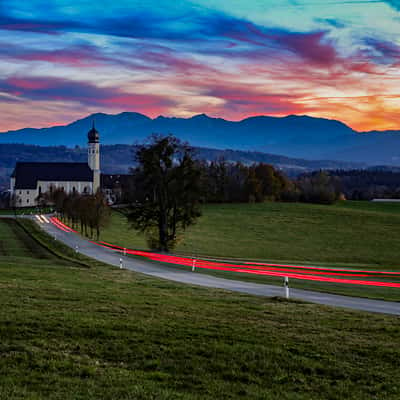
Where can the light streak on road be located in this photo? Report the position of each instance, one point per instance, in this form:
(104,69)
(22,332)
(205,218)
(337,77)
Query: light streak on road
(55,221)
(304,275)
(308,273)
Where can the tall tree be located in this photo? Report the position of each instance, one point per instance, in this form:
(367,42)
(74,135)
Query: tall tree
(167,190)
(99,213)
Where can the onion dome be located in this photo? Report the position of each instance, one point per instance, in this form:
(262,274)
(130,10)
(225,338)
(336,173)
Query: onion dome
(93,135)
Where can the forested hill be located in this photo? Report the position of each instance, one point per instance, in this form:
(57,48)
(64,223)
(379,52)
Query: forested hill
(119,158)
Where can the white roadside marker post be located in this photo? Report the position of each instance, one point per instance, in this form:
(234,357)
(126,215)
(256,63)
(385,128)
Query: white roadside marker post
(194,264)
(286,286)
(120,263)
(76,248)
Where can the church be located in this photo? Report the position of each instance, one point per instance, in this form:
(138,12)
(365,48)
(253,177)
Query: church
(30,179)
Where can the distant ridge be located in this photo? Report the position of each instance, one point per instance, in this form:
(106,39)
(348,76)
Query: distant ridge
(117,159)
(293,136)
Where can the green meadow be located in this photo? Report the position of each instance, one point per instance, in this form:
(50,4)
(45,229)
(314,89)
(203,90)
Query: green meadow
(348,233)
(72,328)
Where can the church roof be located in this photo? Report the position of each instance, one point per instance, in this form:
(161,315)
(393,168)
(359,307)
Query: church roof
(27,174)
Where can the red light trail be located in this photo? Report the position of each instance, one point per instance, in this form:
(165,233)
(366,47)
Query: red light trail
(318,274)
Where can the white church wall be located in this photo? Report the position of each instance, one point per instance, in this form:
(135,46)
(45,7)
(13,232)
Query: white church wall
(68,186)
(25,197)
(28,197)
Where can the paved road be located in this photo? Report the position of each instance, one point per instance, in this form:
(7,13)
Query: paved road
(111,257)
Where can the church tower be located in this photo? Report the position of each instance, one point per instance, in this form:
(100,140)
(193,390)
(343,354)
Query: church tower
(94,156)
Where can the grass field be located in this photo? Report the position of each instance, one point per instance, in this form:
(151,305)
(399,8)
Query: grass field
(347,233)
(25,211)
(73,332)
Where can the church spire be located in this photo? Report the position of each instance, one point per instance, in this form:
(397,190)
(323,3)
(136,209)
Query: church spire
(93,134)
(94,156)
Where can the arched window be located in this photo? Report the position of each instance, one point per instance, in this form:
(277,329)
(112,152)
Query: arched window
(40,190)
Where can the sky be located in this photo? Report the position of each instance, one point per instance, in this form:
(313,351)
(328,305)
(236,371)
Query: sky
(61,60)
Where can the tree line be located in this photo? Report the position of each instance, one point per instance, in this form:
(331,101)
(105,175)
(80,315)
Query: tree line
(225,182)
(367,184)
(87,212)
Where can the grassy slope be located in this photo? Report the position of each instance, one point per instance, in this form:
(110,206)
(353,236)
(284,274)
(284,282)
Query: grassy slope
(25,211)
(352,234)
(348,233)
(82,333)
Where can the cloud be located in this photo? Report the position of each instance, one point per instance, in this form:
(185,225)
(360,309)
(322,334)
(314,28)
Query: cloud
(382,51)
(195,28)
(46,89)
(54,89)
(74,55)
(312,47)
(336,23)
(393,3)
(156,57)
(39,26)
(243,100)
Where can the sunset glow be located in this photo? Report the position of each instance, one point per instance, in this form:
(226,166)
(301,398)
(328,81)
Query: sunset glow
(63,59)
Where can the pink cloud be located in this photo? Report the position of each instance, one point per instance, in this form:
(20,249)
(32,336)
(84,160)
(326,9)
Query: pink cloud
(311,47)
(27,84)
(47,89)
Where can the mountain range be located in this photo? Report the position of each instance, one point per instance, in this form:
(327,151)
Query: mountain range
(292,136)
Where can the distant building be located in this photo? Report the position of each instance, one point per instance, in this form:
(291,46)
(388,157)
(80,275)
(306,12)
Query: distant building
(116,187)
(30,179)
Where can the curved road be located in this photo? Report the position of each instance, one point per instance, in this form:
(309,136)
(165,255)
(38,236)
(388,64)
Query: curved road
(111,257)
